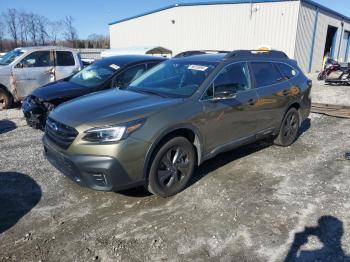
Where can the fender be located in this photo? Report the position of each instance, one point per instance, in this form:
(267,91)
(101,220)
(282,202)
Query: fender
(198,143)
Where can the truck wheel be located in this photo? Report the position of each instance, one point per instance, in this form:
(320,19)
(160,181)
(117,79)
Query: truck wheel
(6,99)
(172,167)
(289,128)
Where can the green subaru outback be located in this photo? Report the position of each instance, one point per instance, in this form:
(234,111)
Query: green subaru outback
(176,116)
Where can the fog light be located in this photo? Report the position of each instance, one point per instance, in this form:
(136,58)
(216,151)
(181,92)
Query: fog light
(100,179)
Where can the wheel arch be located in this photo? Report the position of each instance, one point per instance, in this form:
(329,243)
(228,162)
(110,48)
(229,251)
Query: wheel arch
(3,87)
(188,131)
(295,105)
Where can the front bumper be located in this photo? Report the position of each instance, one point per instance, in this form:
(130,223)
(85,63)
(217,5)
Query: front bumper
(35,113)
(102,173)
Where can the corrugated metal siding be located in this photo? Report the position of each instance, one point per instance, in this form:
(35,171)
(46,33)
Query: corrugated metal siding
(306,24)
(343,46)
(222,27)
(305,33)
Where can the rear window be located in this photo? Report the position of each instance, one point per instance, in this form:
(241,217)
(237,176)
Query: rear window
(265,74)
(286,70)
(65,58)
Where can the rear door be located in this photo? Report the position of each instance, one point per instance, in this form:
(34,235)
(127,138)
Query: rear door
(65,64)
(273,90)
(229,120)
(34,70)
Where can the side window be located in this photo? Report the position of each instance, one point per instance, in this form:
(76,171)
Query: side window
(152,64)
(233,78)
(37,59)
(286,70)
(125,78)
(265,74)
(64,58)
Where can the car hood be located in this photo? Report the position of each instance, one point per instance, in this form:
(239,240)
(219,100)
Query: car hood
(110,107)
(61,90)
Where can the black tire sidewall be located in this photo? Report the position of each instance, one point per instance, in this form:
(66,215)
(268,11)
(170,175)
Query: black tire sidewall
(153,185)
(8,98)
(281,139)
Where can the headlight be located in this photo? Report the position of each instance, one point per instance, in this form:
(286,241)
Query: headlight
(112,133)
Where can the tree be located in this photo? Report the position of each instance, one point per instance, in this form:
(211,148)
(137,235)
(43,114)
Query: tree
(70,32)
(54,30)
(23,33)
(41,23)
(11,18)
(32,27)
(2,35)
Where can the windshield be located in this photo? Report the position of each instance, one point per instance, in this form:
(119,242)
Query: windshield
(174,78)
(93,75)
(10,57)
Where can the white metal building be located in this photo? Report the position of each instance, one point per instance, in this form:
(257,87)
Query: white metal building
(303,29)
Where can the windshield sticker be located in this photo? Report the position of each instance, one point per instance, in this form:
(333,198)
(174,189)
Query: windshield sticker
(114,66)
(197,67)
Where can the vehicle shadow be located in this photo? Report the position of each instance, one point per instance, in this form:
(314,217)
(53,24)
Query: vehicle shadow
(329,231)
(7,126)
(19,193)
(304,126)
(135,192)
(228,157)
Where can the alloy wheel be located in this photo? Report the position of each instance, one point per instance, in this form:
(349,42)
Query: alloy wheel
(173,167)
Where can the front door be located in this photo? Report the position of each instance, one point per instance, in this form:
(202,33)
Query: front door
(33,71)
(233,118)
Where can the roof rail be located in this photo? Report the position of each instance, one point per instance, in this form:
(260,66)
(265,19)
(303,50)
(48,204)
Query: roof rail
(200,52)
(254,53)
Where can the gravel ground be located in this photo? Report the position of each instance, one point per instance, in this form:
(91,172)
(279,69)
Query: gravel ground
(256,203)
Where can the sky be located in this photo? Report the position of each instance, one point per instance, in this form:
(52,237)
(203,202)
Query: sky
(93,16)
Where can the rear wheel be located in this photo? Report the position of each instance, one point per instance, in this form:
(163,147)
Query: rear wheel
(321,76)
(172,167)
(289,128)
(6,99)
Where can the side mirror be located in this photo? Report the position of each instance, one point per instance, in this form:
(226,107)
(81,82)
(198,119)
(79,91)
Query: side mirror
(19,65)
(223,93)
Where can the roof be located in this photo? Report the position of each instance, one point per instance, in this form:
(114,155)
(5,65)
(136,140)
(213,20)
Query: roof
(326,9)
(237,55)
(123,60)
(203,57)
(136,50)
(30,48)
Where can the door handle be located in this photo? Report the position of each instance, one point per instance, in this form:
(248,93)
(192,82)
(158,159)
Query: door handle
(50,71)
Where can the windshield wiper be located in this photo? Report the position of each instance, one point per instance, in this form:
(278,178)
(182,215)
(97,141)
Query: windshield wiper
(147,92)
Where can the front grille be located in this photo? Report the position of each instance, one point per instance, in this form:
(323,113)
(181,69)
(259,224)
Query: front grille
(62,135)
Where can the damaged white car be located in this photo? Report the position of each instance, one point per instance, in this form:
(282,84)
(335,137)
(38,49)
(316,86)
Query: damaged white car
(24,69)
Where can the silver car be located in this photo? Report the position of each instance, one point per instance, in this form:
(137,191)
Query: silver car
(24,69)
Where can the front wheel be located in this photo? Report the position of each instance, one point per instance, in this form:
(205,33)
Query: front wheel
(321,76)
(5,99)
(172,167)
(289,128)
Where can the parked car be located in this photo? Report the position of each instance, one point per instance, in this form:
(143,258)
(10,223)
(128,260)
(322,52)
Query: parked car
(22,70)
(174,117)
(110,72)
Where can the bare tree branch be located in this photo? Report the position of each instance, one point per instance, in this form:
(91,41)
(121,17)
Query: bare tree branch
(11,18)
(70,32)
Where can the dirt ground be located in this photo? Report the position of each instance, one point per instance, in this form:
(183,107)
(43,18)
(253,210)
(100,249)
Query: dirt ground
(256,203)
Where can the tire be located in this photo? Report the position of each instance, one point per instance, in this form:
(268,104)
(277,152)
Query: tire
(289,128)
(6,99)
(321,76)
(172,167)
